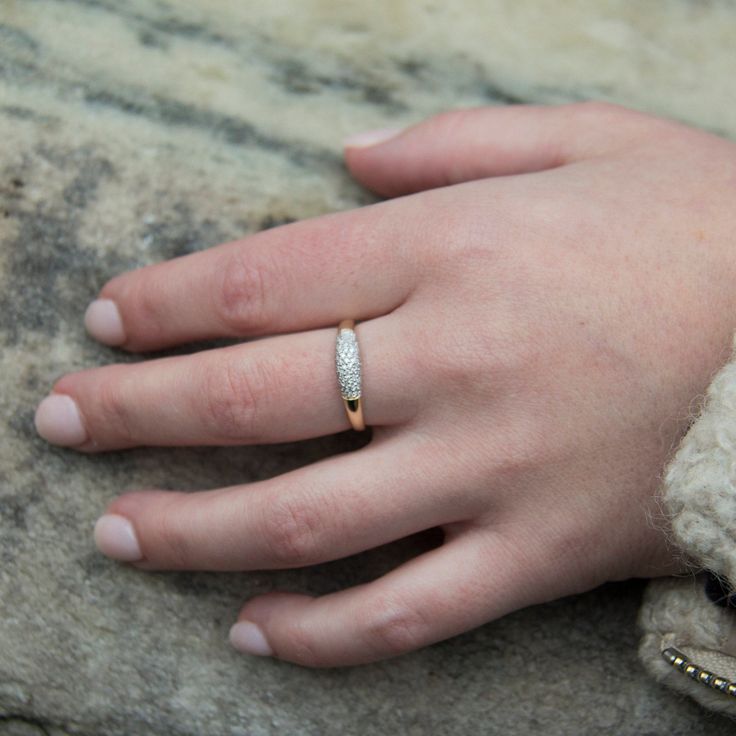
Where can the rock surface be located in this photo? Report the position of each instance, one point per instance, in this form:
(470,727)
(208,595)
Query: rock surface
(133,132)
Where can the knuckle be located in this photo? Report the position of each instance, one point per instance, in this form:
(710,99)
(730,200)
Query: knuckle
(292,531)
(115,413)
(231,397)
(137,293)
(392,627)
(471,361)
(517,451)
(242,297)
(147,303)
(450,125)
(173,543)
(301,648)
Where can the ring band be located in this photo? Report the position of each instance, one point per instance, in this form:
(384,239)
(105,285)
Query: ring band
(347,363)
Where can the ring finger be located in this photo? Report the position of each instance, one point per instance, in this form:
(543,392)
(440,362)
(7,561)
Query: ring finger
(277,389)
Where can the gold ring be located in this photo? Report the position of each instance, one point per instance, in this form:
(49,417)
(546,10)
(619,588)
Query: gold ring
(347,363)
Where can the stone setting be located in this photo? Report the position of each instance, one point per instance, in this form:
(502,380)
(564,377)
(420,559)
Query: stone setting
(347,362)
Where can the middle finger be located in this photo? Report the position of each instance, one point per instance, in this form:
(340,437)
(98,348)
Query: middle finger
(304,275)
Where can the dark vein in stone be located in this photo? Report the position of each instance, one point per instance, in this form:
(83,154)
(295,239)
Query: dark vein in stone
(39,724)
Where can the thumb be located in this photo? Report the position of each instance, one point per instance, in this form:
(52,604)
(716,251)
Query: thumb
(475,143)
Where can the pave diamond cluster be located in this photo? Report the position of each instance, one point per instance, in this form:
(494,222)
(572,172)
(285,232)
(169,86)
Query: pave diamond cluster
(347,362)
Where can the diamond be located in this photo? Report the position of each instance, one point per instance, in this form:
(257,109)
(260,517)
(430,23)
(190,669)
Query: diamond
(347,362)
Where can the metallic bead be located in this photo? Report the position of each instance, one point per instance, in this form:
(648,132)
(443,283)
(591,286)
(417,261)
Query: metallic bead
(678,660)
(705,676)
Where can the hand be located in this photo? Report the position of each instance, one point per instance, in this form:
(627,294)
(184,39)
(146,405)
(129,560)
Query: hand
(534,319)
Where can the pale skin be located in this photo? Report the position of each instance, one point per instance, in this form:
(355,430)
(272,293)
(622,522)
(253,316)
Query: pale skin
(540,300)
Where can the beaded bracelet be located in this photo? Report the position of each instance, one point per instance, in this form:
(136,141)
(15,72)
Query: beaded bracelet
(677,659)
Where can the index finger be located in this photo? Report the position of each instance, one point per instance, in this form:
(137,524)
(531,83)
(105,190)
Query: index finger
(294,277)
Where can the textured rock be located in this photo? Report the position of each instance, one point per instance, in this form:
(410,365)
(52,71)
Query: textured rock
(134,132)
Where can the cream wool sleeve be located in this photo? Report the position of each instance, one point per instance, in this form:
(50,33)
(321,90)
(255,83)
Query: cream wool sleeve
(688,623)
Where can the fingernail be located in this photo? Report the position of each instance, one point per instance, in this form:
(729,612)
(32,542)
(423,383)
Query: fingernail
(247,637)
(102,320)
(58,421)
(115,537)
(371,137)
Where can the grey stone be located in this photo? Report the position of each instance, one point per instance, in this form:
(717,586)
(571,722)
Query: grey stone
(135,132)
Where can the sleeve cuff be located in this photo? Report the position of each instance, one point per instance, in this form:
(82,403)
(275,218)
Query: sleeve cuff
(699,502)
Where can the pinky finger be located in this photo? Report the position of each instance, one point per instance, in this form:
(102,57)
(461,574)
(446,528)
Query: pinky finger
(474,578)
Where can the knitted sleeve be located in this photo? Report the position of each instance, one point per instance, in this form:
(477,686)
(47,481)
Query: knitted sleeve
(688,623)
